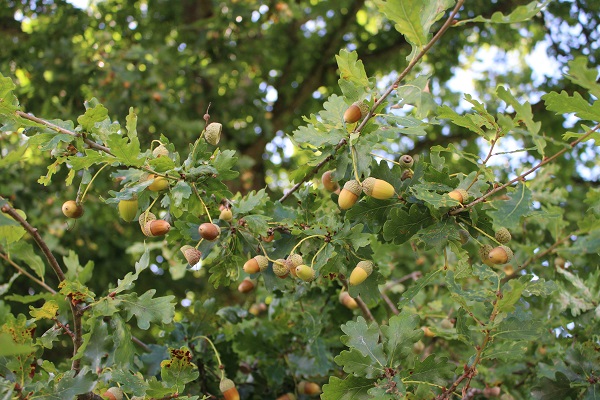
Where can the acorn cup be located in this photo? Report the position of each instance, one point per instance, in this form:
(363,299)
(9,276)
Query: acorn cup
(113,393)
(349,194)
(377,188)
(362,270)
(191,254)
(484,252)
(228,389)
(503,235)
(256,264)
(160,151)
(357,111)
(213,133)
(280,268)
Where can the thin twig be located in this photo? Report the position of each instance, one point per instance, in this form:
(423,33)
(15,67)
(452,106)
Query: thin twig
(27,274)
(59,129)
(390,304)
(524,174)
(365,309)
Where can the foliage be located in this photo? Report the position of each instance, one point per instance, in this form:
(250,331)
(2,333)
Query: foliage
(435,318)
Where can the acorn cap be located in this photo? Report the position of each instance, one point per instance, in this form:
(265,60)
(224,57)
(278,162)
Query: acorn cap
(366,265)
(295,259)
(160,151)
(353,187)
(191,254)
(226,384)
(213,133)
(263,262)
(503,235)
(377,188)
(280,268)
(145,217)
(484,251)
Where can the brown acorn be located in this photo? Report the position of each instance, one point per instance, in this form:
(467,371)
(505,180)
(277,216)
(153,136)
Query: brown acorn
(280,268)
(226,215)
(356,111)
(72,209)
(191,254)
(213,133)
(287,396)
(328,183)
(268,239)
(256,264)
(159,183)
(309,388)
(407,174)
(157,227)
(209,231)
(247,285)
(347,300)
(459,195)
(228,389)
(377,188)
(500,255)
(406,161)
(160,151)
(362,270)
(349,194)
(113,393)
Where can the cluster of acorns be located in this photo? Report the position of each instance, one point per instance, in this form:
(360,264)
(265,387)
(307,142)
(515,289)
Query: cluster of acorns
(497,255)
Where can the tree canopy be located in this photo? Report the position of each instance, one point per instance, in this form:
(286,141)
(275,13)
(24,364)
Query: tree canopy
(359,199)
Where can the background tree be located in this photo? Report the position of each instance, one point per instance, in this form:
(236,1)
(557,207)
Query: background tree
(261,67)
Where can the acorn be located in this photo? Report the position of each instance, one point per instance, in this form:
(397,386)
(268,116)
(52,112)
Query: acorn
(268,239)
(247,285)
(508,270)
(328,183)
(484,252)
(226,215)
(418,347)
(160,151)
(191,254)
(500,255)
(406,161)
(228,389)
(377,188)
(256,264)
(464,236)
(113,393)
(72,209)
(309,388)
(362,270)
(356,111)
(287,396)
(459,195)
(157,227)
(158,184)
(347,300)
(213,133)
(280,268)
(145,217)
(559,262)
(503,235)
(407,174)
(306,273)
(349,194)
(128,209)
(209,231)
(446,324)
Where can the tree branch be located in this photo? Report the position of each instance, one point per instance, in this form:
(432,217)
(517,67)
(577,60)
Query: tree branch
(27,274)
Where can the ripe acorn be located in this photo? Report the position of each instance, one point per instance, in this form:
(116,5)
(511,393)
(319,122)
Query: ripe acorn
(256,264)
(459,195)
(377,188)
(287,396)
(407,174)
(160,151)
(228,389)
(500,255)
(356,111)
(349,194)
(226,215)
(309,388)
(246,286)
(362,270)
(406,161)
(503,235)
(347,300)
(280,268)
(113,393)
(157,227)
(128,209)
(328,183)
(306,273)
(191,254)
(159,183)
(213,133)
(72,209)
(209,231)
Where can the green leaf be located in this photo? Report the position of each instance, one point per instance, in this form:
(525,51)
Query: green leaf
(8,347)
(520,14)
(437,235)
(583,76)
(92,116)
(401,332)
(148,309)
(501,350)
(25,252)
(126,150)
(431,370)
(508,213)
(552,389)
(368,290)
(563,103)
(251,202)
(365,339)
(402,225)
(514,329)
(223,162)
(353,362)
(47,311)
(96,343)
(407,16)
(180,192)
(350,388)
(75,271)
(128,281)
(416,287)
(311,135)
(179,369)
(67,386)
(130,382)
(352,71)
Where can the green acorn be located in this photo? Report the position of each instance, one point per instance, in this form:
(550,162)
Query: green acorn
(362,270)
(306,273)
(406,161)
(213,133)
(128,209)
(377,188)
(503,235)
